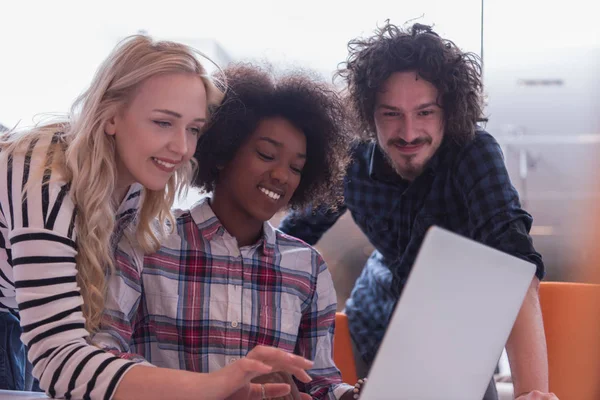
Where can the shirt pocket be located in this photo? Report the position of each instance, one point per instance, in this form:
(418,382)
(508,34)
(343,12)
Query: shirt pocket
(278,327)
(176,332)
(160,318)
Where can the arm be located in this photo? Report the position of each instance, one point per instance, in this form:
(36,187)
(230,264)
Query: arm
(41,251)
(497,219)
(41,238)
(309,225)
(526,346)
(230,383)
(123,294)
(315,338)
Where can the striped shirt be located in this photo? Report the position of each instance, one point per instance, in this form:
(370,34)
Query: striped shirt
(38,275)
(202,302)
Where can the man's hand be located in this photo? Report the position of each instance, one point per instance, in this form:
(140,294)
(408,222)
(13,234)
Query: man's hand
(537,395)
(349,395)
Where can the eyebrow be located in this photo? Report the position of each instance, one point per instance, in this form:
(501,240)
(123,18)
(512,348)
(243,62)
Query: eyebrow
(419,107)
(278,144)
(177,115)
(426,105)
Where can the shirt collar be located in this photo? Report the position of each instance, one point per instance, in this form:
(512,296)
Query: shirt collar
(210,226)
(379,167)
(131,202)
(126,212)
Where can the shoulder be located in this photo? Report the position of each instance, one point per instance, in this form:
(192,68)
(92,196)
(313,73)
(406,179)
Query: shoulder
(480,166)
(35,160)
(291,245)
(479,156)
(360,151)
(482,148)
(33,172)
(359,147)
(30,148)
(285,240)
(178,233)
(180,215)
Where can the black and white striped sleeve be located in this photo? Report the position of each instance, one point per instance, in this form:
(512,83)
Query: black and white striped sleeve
(39,219)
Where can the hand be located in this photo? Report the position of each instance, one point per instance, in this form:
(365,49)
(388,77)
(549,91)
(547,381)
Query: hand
(537,395)
(283,377)
(236,378)
(281,361)
(358,388)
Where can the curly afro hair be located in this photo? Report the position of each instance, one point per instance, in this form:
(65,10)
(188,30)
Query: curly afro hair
(315,108)
(455,74)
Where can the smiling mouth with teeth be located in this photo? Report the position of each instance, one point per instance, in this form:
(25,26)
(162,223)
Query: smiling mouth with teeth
(272,195)
(163,163)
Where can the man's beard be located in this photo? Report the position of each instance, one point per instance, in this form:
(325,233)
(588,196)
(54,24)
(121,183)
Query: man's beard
(410,171)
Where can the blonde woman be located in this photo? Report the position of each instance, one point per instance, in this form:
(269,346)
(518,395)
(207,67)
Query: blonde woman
(67,193)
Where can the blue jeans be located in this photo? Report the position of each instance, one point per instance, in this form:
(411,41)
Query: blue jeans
(15,370)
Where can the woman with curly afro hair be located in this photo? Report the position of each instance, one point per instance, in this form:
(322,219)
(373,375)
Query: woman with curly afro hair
(226,280)
(258,101)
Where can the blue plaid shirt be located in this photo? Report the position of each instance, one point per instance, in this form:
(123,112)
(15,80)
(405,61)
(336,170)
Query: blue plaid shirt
(464,188)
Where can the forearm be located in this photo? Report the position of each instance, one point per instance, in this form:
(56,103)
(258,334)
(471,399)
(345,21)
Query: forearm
(526,346)
(115,338)
(149,383)
(310,226)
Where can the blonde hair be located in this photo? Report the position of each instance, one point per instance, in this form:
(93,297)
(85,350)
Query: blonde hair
(86,155)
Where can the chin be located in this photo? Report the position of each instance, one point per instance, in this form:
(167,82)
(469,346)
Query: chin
(262,216)
(154,185)
(409,172)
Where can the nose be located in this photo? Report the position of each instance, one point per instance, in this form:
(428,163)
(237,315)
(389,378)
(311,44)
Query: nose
(408,130)
(280,173)
(179,142)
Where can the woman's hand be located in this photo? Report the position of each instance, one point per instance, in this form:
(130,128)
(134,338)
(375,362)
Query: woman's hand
(263,361)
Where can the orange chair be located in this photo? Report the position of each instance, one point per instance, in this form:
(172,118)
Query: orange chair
(342,349)
(571,313)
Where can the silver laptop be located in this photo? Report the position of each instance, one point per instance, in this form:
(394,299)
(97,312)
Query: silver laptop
(451,322)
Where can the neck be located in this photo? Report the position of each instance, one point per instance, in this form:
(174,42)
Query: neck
(245,229)
(123,181)
(119,195)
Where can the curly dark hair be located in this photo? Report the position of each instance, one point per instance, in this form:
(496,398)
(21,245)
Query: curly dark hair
(315,108)
(455,74)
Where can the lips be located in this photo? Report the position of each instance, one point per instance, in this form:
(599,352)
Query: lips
(409,148)
(165,165)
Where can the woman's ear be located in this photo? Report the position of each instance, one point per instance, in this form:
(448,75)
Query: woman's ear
(110,126)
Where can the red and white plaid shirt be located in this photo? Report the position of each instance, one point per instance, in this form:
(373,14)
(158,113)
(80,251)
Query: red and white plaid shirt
(202,302)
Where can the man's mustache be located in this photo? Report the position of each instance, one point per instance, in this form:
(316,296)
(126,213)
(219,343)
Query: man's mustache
(402,142)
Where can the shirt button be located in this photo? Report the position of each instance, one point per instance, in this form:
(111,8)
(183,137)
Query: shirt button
(232,360)
(234,324)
